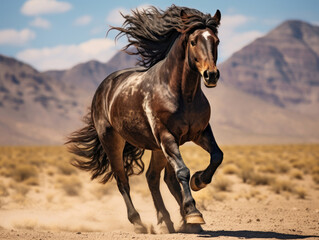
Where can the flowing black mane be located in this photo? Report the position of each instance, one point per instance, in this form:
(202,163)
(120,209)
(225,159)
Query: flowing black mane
(152,31)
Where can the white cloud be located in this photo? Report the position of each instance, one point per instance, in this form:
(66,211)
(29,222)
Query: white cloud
(115,17)
(40,23)
(231,38)
(233,21)
(83,20)
(16,38)
(66,56)
(39,7)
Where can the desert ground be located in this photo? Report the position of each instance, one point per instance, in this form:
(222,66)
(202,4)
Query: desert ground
(259,192)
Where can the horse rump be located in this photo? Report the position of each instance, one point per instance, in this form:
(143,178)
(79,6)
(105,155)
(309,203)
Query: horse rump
(86,144)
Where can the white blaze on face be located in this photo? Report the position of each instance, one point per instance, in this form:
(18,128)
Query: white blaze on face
(206,34)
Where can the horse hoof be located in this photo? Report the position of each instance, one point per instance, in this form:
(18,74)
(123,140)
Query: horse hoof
(194,219)
(140,228)
(194,186)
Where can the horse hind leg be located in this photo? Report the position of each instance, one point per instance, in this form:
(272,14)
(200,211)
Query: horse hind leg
(113,144)
(157,163)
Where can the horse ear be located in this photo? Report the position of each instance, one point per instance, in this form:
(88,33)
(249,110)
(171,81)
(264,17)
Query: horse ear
(217,16)
(184,16)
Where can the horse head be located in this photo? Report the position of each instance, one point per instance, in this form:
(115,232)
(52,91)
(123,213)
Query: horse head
(202,54)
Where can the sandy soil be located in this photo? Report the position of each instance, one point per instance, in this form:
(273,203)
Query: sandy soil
(275,219)
(53,209)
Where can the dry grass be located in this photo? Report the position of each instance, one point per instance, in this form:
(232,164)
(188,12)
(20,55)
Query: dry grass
(279,186)
(296,174)
(300,192)
(44,175)
(257,178)
(246,170)
(223,184)
(230,169)
(23,172)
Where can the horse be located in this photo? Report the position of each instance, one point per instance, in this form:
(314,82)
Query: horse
(158,106)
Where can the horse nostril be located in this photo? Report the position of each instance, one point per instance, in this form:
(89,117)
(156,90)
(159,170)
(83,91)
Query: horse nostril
(206,76)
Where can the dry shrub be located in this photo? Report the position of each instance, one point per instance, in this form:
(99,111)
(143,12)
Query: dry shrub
(230,169)
(51,172)
(282,185)
(222,183)
(300,192)
(33,181)
(268,168)
(296,174)
(283,167)
(299,164)
(315,174)
(23,171)
(70,184)
(66,168)
(260,179)
(204,197)
(246,170)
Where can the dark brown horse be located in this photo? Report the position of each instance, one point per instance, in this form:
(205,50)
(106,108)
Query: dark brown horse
(159,107)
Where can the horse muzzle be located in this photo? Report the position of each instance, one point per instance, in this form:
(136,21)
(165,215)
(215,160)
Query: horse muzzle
(210,78)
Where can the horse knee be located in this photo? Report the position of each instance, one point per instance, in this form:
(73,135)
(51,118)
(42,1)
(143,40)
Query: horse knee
(183,174)
(217,157)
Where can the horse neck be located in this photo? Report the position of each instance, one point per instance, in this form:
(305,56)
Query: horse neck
(181,78)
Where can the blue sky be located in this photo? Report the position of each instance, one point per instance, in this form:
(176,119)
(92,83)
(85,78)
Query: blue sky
(58,34)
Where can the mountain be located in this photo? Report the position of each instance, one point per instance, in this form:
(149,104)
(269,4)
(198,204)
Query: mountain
(34,108)
(43,108)
(89,75)
(268,93)
(281,67)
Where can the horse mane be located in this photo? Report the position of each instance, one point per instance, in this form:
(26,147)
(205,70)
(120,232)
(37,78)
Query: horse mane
(153,31)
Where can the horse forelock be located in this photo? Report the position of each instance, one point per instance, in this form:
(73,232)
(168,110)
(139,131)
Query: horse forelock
(152,32)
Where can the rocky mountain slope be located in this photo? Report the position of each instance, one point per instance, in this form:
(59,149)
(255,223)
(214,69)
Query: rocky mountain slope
(281,67)
(89,75)
(268,93)
(34,108)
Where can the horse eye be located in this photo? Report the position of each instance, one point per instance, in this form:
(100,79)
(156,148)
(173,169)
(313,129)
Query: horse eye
(192,43)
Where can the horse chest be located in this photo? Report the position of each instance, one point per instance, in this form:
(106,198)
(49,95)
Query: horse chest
(189,123)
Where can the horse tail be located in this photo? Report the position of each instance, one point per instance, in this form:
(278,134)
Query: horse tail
(86,144)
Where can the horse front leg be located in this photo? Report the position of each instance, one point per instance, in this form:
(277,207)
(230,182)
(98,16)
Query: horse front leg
(174,158)
(207,141)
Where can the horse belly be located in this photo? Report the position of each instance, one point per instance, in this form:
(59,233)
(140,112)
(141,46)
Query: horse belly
(129,120)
